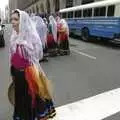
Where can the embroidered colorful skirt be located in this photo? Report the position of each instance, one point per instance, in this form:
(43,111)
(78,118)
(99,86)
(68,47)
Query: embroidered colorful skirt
(63,43)
(52,46)
(23,109)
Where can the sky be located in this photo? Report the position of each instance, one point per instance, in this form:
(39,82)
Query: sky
(3,3)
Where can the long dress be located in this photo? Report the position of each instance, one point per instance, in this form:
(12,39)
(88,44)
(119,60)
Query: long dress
(52,46)
(32,96)
(25,108)
(41,28)
(63,41)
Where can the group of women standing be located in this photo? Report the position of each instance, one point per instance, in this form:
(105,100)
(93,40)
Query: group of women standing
(54,33)
(32,38)
(60,30)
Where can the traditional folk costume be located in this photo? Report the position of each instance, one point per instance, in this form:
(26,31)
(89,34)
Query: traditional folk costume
(42,32)
(58,25)
(63,38)
(32,96)
(52,36)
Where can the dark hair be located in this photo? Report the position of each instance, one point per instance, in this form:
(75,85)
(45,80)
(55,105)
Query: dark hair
(16,12)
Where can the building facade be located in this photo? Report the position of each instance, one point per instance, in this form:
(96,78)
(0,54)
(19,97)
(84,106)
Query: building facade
(12,4)
(45,6)
(7,15)
(52,6)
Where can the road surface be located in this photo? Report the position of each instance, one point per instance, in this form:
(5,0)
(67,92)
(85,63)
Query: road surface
(91,69)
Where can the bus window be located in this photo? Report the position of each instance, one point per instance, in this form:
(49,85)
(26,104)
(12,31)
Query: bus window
(70,14)
(78,13)
(111,10)
(96,12)
(100,11)
(87,13)
(64,15)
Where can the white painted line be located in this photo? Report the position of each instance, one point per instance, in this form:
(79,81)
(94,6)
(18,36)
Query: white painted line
(84,54)
(94,108)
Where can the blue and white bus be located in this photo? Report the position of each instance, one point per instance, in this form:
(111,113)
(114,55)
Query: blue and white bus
(100,19)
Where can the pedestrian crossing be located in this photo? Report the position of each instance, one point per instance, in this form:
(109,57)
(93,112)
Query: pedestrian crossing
(94,108)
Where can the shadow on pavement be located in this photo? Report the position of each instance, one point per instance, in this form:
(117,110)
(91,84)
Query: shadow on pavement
(99,42)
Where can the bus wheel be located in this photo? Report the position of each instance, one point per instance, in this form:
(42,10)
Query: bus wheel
(85,34)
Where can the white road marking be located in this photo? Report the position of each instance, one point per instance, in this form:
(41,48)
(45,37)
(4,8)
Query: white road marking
(84,54)
(94,108)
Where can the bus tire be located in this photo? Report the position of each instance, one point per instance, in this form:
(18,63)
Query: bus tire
(85,34)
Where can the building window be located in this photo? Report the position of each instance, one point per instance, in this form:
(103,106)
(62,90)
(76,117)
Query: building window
(100,11)
(111,10)
(69,3)
(78,14)
(87,13)
(87,1)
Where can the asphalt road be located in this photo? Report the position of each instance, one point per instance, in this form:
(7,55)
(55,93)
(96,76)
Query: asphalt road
(91,69)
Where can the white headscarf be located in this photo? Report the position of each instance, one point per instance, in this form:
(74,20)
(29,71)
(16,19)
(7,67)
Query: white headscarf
(65,25)
(54,27)
(41,29)
(58,19)
(28,37)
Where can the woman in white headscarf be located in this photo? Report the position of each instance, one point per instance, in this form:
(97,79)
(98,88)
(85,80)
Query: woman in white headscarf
(42,30)
(63,38)
(32,96)
(52,36)
(58,25)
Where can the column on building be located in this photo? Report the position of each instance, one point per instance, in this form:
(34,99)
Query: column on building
(62,4)
(77,2)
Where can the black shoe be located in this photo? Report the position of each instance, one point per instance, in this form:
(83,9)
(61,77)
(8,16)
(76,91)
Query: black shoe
(44,60)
